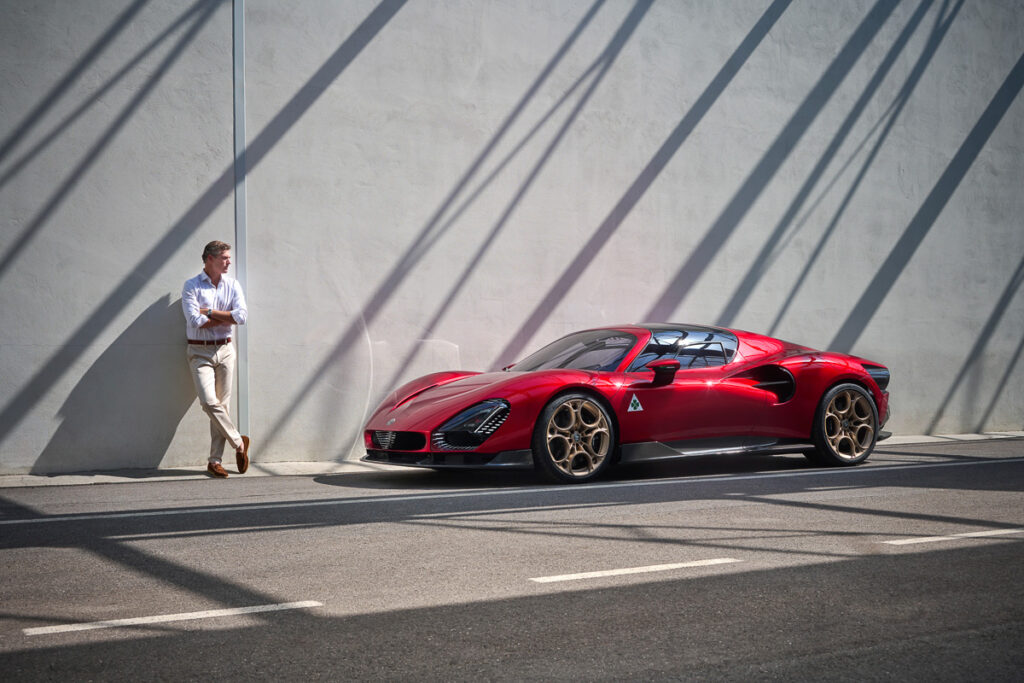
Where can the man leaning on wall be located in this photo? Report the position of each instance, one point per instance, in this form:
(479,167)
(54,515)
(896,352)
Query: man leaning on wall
(213,303)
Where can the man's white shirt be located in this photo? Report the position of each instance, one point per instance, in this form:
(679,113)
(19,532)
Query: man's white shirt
(199,292)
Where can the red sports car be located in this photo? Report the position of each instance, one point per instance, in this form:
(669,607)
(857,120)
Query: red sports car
(631,393)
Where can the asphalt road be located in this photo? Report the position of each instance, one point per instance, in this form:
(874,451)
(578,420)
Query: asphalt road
(729,568)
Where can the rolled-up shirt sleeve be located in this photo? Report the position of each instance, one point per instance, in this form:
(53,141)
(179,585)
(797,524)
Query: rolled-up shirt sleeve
(238,310)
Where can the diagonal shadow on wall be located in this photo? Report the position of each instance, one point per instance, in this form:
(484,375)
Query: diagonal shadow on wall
(108,422)
(427,236)
(436,228)
(924,219)
(977,352)
(21,403)
(943,22)
(602,65)
(763,259)
(702,255)
(471,198)
(105,139)
(81,66)
(49,138)
(642,183)
(1000,387)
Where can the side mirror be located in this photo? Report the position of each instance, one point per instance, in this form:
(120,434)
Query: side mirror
(664,370)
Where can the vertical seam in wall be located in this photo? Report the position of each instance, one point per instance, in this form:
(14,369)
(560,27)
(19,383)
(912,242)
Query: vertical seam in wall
(238,90)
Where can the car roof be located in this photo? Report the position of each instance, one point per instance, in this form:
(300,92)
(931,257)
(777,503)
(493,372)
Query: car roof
(660,327)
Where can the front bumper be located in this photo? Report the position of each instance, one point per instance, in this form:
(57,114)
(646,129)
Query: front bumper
(507,460)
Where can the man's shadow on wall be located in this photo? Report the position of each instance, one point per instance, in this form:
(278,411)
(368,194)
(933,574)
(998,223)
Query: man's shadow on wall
(125,410)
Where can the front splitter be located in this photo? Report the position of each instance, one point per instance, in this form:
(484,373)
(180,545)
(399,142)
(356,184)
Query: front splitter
(506,460)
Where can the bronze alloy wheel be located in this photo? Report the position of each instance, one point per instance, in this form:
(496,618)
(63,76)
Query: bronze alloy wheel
(846,426)
(577,439)
(850,424)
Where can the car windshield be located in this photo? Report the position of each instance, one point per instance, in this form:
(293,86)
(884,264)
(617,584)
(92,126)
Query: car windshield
(599,350)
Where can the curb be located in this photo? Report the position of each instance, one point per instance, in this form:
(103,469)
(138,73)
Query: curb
(127,476)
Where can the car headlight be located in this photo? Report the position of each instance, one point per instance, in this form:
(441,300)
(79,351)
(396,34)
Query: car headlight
(472,426)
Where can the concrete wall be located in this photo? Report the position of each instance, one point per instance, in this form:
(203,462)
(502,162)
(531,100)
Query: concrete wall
(115,123)
(437,185)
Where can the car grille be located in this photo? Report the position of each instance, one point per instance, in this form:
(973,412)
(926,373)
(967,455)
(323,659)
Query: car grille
(399,441)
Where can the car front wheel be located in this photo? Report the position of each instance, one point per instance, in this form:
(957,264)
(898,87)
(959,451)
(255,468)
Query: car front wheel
(574,439)
(845,426)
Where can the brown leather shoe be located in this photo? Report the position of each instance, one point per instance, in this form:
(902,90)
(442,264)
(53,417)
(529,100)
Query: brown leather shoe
(242,456)
(216,470)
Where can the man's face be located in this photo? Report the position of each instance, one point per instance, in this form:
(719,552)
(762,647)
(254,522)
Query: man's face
(218,265)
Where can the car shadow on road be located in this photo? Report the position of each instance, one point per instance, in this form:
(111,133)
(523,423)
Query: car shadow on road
(415,479)
(457,479)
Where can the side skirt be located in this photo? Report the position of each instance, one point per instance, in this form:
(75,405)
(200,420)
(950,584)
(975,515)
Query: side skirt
(649,451)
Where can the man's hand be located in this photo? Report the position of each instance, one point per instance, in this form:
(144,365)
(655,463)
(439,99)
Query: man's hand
(217,318)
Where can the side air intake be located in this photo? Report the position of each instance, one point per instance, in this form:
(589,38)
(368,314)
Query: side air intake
(773,378)
(879,374)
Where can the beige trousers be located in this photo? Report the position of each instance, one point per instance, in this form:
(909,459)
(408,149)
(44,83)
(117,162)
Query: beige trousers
(213,372)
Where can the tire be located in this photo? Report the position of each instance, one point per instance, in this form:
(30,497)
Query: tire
(845,426)
(574,439)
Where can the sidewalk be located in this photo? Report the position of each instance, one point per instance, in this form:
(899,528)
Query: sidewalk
(270,469)
(348,467)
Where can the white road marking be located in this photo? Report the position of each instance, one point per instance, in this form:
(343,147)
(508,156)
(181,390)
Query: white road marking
(164,618)
(953,537)
(634,570)
(479,493)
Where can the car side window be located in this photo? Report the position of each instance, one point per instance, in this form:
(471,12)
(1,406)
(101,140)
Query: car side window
(604,355)
(663,344)
(729,344)
(601,350)
(703,355)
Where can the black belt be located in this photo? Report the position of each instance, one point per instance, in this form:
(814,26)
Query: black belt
(216,342)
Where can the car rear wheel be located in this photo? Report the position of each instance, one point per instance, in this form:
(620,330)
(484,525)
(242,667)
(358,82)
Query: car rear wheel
(574,439)
(845,426)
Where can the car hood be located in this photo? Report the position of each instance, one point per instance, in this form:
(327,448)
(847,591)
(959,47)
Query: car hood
(423,404)
(421,408)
